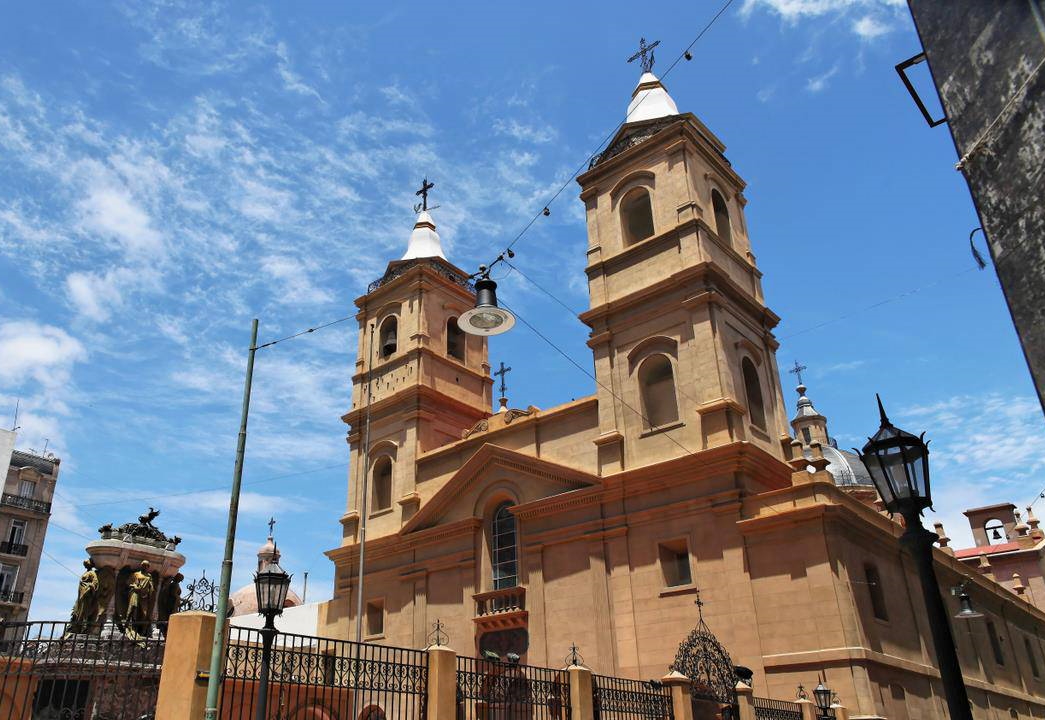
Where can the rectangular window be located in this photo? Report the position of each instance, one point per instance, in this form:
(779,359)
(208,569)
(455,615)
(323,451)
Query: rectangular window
(16,536)
(876,591)
(8,576)
(992,633)
(1032,656)
(806,435)
(674,563)
(27,489)
(375,617)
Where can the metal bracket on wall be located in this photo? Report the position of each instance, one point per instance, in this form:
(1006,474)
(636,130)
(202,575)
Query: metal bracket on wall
(901,69)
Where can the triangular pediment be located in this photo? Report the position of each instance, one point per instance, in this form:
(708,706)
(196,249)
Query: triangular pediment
(491,465)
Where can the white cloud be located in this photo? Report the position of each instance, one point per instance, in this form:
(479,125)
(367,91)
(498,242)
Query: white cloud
(113,213)
(524,133)
(291,80)
(869,27)
(42,353)
(819,83)
(295,278)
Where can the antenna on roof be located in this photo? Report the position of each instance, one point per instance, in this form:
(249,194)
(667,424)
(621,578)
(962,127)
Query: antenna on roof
(16,426)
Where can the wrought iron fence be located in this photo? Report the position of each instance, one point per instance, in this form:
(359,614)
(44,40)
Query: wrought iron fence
(314,677)
(615,698)
(495,690)
(767,709)
(47,671)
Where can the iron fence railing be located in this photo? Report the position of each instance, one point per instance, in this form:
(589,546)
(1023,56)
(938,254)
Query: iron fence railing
(48,671)
(767,709)
(510,691)
(13,548)
(317,677)
(26,503)
(615,698)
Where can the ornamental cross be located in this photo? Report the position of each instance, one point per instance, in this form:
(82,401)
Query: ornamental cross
(797,370)
(423,192)
(271,524)
(700,605)
(646,53)
(502,372)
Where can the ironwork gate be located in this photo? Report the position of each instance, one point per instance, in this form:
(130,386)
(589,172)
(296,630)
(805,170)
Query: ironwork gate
(48,673)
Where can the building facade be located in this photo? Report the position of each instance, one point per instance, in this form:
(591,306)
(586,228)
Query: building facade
(25,508)
(601,521)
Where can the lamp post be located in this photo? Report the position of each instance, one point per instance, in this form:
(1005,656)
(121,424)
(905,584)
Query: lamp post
(271,584)
(899,466)
(822,697)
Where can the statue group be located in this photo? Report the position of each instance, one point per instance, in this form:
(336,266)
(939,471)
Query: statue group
(133,609)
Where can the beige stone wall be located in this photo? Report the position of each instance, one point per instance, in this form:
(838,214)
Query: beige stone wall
(35,532)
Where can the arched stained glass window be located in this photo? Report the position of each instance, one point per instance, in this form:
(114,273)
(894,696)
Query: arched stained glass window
(504,548)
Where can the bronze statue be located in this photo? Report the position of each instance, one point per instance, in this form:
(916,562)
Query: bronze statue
(85,610)
(148,517)
(139,601)
(168,601)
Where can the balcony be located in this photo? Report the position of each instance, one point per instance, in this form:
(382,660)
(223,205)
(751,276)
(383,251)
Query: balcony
(12,597)
(501,609)
(26,503)
(13,548)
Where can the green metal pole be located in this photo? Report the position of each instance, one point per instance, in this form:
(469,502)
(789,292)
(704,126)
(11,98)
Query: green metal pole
(217,654)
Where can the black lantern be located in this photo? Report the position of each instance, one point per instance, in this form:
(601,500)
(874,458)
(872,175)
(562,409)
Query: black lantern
(271,584)
(899,465)
(486,318)
(822,697)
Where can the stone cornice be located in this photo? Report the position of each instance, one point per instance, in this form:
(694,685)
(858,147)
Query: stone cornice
(704,272)
(412,398)
(411,280)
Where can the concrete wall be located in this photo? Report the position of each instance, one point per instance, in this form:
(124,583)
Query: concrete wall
(980,54)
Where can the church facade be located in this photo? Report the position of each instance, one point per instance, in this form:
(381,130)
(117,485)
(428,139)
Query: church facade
(601,521)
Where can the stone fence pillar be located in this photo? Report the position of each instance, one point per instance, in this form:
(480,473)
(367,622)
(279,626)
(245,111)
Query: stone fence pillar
(442,683)
(805,704)
(745,701)
(581,698)
(681,703)
(182,694)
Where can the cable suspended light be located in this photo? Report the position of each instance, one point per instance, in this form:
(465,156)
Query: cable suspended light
(486,318)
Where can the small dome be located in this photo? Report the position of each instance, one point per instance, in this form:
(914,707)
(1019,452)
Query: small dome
(424,240)
(650,100)
(845,467)
(245,600)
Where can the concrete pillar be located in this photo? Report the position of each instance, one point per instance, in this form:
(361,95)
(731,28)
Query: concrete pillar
(581,699)
(186,659)
(808,708)
(746,702)
(681,704)
(442,683)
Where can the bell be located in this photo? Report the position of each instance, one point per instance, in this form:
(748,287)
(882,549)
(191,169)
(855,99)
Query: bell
(486,318)
(997,534)
(389,342)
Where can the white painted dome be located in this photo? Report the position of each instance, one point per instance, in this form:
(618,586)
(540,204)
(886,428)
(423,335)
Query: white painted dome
(424,240)
(650,100)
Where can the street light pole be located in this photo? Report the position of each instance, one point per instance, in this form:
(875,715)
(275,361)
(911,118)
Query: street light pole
(268,634)
(217,656)
(919,542)
(899,466)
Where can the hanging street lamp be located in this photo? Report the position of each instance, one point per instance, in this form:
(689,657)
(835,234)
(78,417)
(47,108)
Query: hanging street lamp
(822,698)
(271,584)
(899,466)
(486,318)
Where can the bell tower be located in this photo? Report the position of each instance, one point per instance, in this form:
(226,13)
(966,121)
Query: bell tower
(679,327)
(419,381)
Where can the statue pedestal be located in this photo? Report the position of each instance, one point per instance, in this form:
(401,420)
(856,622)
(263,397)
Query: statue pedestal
(117,556)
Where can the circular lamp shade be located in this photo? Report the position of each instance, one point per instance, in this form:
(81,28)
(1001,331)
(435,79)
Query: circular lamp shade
(486,318)
(271,584)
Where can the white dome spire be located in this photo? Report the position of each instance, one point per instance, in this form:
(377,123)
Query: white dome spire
(650,100)
(424,240)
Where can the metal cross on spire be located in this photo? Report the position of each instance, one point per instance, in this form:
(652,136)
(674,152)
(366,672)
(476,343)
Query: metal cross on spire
(423,193)
(646,53)
(502,372)
(797,370)
(271,524)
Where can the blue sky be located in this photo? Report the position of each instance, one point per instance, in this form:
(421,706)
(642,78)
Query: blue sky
(170,170)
